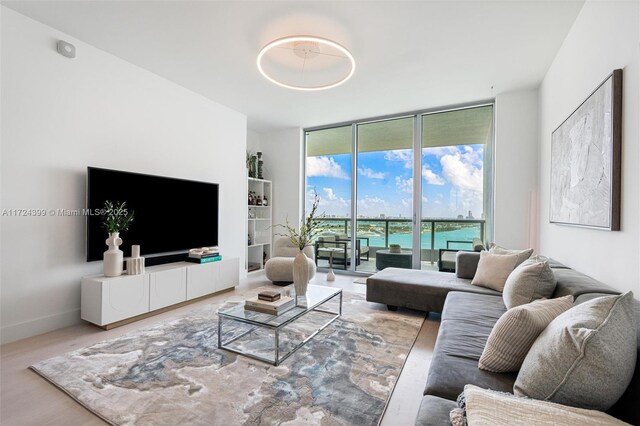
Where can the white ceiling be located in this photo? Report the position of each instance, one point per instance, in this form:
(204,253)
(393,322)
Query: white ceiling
(409,55)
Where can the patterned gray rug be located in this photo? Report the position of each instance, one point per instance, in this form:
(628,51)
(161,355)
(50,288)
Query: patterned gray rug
(173,373)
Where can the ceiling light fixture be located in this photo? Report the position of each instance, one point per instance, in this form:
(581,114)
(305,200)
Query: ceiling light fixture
(306,63)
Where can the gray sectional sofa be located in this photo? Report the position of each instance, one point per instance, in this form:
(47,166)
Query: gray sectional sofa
(468,314)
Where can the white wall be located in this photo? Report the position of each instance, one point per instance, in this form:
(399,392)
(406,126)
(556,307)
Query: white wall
(253,141)
(516,169)
(283,159)
(603,37)
(61,115)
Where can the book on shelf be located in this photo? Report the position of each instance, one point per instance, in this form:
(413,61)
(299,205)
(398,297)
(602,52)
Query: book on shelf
(274,308)
(204,259)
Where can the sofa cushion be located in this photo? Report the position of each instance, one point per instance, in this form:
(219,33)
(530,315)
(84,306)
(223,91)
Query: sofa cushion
(434,411)
(493,270)
(531,280)
(516,331)
(422,290)
(586,357)
(570,281)
(466,322)
(487,407)
(522,254)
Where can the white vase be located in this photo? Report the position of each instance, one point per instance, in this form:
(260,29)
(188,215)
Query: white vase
(113,258)
(300,274)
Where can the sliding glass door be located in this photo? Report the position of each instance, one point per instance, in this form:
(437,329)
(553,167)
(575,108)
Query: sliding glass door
(409,209)
(455,181)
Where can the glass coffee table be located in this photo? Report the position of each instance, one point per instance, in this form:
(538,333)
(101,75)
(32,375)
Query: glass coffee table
(273,338)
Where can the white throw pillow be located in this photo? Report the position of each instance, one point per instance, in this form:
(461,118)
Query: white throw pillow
(491,408)
(493,270)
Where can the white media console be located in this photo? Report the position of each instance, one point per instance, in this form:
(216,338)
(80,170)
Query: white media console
(112,301)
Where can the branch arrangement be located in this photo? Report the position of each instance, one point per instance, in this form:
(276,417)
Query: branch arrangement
(308,228)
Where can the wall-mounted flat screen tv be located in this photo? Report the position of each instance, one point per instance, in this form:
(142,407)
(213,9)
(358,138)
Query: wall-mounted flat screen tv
(170,215)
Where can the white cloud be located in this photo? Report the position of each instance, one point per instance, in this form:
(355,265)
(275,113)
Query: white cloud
(325,166)
(431,177)
(439,151)
(465,172)
(328,192)
(462,172)
(404,185)
(367,172)
(404,155)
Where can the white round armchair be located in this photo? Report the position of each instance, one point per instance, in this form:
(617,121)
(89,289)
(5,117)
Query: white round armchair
(279,268)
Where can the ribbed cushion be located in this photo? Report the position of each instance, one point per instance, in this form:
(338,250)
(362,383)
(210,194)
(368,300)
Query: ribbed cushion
(530,281)
(516,331)
(586,357)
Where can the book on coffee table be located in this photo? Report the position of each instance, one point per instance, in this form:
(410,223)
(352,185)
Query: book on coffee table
(274,308)
(269,295)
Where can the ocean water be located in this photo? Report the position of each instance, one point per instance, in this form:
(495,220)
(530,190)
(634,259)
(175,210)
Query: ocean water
(441,238)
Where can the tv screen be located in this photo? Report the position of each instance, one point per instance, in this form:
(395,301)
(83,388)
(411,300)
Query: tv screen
(170,215)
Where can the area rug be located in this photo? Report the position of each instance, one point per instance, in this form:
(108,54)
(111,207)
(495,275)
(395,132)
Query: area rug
(173,373)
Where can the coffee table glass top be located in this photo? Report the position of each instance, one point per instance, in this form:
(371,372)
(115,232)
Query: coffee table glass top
(316,295)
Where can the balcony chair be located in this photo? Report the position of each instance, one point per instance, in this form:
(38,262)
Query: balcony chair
(279,269)
(336,248)
(447,256)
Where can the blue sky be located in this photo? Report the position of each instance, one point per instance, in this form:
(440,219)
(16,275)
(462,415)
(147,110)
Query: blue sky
(451,181)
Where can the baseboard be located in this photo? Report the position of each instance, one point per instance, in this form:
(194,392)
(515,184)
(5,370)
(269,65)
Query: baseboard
(11,333)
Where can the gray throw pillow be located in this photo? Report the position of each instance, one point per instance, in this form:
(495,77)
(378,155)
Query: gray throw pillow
(522,254)
(493,270)
(585,358)
(514,333)
(530,281)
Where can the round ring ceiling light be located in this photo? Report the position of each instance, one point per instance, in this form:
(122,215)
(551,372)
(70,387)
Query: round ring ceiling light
(306,63)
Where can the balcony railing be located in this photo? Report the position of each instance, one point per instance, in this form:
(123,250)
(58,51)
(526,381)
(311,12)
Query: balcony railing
(435,233)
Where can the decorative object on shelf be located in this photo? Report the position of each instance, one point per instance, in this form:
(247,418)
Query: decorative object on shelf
(250,170)
(135,264)
(302,238)
(395,248)
(264,257)
(115,218)
(260,163)
(113,257)
(586,161)
(253,169)
(265,202)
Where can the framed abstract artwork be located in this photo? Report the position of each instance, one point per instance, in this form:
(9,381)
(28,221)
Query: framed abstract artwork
(586,161)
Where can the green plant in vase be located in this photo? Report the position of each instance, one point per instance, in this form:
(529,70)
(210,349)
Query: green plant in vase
(115,218)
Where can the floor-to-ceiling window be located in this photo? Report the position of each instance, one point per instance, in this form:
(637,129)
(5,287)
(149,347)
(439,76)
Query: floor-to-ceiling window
(455,151)
(367,173)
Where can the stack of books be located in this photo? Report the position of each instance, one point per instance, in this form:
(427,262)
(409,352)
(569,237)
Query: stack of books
(278,306)
(204,255)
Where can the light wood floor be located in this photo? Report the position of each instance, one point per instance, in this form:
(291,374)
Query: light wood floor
(27,399)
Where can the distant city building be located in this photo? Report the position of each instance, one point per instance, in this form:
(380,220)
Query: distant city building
(460,216)
(470,216)
(382,215)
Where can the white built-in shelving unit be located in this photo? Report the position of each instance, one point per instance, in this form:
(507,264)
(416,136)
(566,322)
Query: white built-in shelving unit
(259,226)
